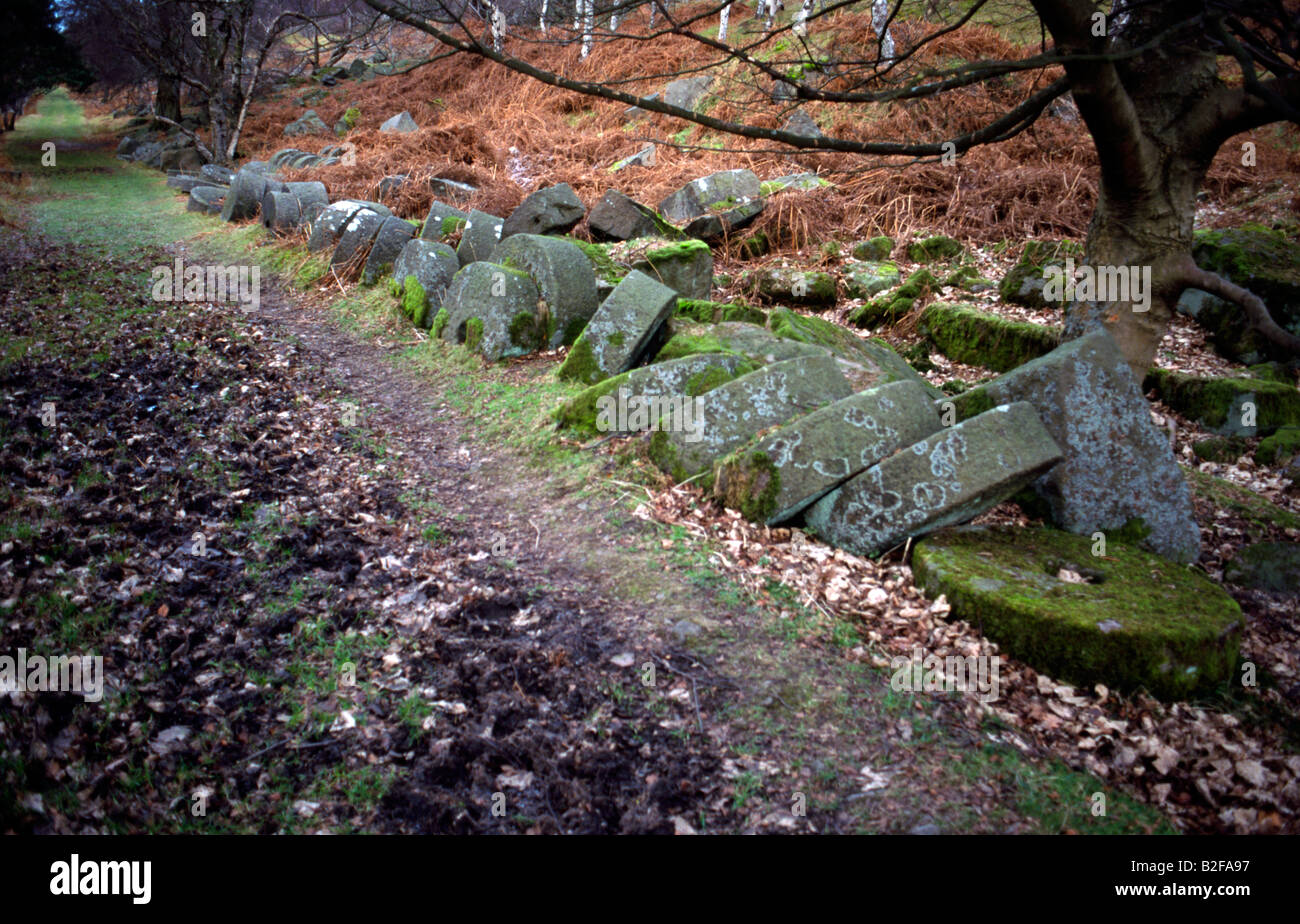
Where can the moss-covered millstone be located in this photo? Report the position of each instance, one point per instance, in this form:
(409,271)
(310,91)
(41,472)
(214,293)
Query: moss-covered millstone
(392,236)
(689,376)
(358,234)
(479,237)
(944,479)
(563,275)
(748,340)
(707,312)
(1229,407)
(620,331)
(777,475)
(1139,622)
(867,279)
(686,266)
(431,265)
(442,220)
(934,248)
(868,362)
(1280,448)
(1024,283)
(1271,566)
(731,414)
(978,338)
(791,286)
(1117,465)
(492,309)
(890,307)
(1266,262)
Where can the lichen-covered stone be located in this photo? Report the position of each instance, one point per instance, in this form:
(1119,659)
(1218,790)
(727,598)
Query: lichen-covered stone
(618,217)
(779,474)
(978,338)
(432,265)
(867,279)
(724,221)
(619,332)
(1229,407)
(689,376)
(724,190)
(734,413)
(247,190)
(949,478)
(389,240)
(1117,465)
(563,275)
(208,199)
(479,237)
(492,309)
(686,266)
(873,361)
(552,210)
(1136,622)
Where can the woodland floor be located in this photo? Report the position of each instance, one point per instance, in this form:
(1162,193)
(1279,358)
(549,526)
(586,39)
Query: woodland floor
(522,618)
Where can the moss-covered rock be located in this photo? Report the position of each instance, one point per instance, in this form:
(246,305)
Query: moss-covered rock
(1220,448)
(934,248)
(1024,283)
(875,250)
(686,266)
(865,280)
(563,275)
(624,328)
(1280,448)
(892,306)
(439,323)
(1259,514)
(1271,566)
(791,286)
(1136,622)
(492,297)
(977,338)
(602,263)
(1229,407)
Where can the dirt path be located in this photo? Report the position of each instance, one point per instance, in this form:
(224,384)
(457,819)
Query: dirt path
(454,636)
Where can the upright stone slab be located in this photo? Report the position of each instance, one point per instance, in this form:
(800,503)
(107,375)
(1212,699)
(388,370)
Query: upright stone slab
(328,226)
(563,275)
(391,237)
(247,190)
(432,266)
(553,210)
(686,266)
(774,478)
(620,330)
(441,221)
(354,243)
(479,237)
(492,309)
(1117,466)
(281,212)
(688,377)
(732,414)
(949,478)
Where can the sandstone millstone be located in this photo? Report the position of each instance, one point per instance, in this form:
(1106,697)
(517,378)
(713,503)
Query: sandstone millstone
(423,270)
(207,199)
(479,237)
(621,330)
(1118,467)
(949,478)
(725,189)
(442,220)
(281,212)
(732,414)
(686,266)
(563,275)
(492,310)
(1136,621)
(689,376)
(391,237)
(247,190)
(328,226)
(358,234)
(777,476)
(553,210)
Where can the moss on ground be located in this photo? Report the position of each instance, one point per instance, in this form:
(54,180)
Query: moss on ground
(978,338)
(1137,622)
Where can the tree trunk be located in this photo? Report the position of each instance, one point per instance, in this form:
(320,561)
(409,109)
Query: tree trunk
(167,99)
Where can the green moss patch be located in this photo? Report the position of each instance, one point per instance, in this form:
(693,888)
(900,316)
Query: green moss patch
(873,250)
(1280,447)
(707,312)
(439,323)
(1221,448)
(934,248)
(892,306)
(1137,621)
(978,338)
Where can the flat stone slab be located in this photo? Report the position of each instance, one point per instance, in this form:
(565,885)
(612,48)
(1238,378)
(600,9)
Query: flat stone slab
(492,310)
(689,376)
(564,276)
(479,237)
(723,190)
(553,210)
(732,414)
(1128,619)
(777,476)
(949,478)
(1117,466)
(620,331)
